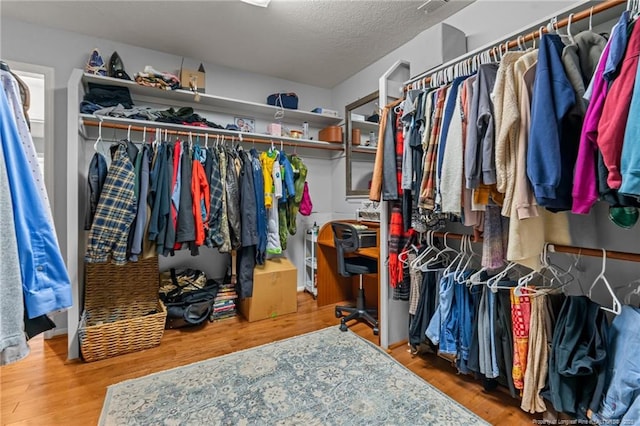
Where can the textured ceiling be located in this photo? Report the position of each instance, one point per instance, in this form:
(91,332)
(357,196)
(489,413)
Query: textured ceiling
(317,42)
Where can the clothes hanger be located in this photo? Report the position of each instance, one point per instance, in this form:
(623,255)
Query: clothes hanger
(492,282)
(144,135)
(571,39)
(634,292)
(129,133)
(472,255)
(431,248)
(590,18)
(440,259)
(456,260)
(616,306)
(402,256)
(97,142)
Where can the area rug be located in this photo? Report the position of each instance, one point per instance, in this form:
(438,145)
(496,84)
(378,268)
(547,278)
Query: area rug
(326,377)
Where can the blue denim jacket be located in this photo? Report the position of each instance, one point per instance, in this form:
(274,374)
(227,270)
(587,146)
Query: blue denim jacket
(45,280)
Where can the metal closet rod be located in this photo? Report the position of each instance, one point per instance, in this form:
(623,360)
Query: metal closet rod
(600,7)
(559,248)
(198,131)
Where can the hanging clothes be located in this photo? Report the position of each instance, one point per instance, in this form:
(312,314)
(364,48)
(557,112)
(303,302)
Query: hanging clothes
(142,216)
(95,181)
(507,117)
(13,343)
(521,320)
(577,362)
(479,157)
(200,192)
(233,199)
(259,187)
(225,246)
(620,404)
(246,255)
(115,213)
(215,237)
(376,180)
(535,374)
(615,111)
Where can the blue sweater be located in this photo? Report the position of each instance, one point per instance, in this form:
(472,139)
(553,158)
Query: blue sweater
(550,161)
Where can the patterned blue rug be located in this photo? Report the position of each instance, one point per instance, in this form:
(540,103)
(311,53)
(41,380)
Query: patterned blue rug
(322,378)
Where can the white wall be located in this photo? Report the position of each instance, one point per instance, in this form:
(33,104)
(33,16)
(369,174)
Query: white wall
(64,51)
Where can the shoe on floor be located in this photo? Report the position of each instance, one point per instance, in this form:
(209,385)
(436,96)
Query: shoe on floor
(95,64)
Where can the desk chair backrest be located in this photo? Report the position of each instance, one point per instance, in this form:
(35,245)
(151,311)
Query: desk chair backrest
(345,237)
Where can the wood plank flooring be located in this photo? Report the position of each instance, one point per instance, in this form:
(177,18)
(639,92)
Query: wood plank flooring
(46,389)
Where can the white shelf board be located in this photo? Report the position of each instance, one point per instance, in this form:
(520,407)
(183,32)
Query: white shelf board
(216,103)
(312,263)
(365,126)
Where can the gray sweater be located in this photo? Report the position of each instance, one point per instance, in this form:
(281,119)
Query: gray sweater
(479,157)
(13,342)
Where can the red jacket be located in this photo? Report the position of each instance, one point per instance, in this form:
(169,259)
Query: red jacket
(613,122)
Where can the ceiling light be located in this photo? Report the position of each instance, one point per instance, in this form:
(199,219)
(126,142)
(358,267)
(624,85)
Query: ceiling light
(261,3)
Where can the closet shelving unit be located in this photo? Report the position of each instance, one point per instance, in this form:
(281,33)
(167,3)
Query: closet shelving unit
(207,103)
(82,131)
(310,262)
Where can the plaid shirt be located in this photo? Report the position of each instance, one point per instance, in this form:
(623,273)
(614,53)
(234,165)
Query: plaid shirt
(428,186)
(115,213)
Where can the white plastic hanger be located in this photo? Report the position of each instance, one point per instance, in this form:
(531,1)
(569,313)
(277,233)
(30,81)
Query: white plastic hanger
(97,142)
(569,28)
(616,306)
(458,259)
(459,276)
(492,282)
(590,18)
(129,133)
(440,259)
(475,279)
(431,249)
(403,255)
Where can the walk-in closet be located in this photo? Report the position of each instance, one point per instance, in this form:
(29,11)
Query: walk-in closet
(319,212)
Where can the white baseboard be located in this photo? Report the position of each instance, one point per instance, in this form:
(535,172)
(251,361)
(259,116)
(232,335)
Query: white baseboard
(55,332)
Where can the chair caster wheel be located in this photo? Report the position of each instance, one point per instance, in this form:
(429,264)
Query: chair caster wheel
(343,327)
(375,331)
(338,313)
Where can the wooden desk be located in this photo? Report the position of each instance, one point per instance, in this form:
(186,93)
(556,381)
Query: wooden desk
(333,287)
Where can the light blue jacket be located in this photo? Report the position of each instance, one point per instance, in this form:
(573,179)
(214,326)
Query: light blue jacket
(630,160)
(45,280)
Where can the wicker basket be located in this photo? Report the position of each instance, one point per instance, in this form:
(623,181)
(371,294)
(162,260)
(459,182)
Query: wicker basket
(122,312)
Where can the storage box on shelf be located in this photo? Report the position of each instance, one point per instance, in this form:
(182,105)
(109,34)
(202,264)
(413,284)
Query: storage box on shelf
(275,285)
(216,104)
(122,311)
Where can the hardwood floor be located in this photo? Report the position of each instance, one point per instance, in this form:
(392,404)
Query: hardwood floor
(46,389)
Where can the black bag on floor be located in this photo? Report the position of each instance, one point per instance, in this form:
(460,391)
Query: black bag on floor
(187,306)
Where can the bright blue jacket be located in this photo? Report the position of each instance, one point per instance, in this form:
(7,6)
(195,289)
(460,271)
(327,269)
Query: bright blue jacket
(45,280)
(550,161)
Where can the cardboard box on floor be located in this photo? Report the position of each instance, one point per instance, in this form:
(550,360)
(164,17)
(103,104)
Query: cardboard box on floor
(275,286)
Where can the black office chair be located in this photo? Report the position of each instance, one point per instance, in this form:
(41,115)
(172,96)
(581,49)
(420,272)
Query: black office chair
(346,239)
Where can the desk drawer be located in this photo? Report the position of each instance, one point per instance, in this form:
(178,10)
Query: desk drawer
(368,238)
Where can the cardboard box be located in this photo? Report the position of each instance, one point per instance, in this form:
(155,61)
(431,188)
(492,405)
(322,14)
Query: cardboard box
(275,286)
(190,79)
